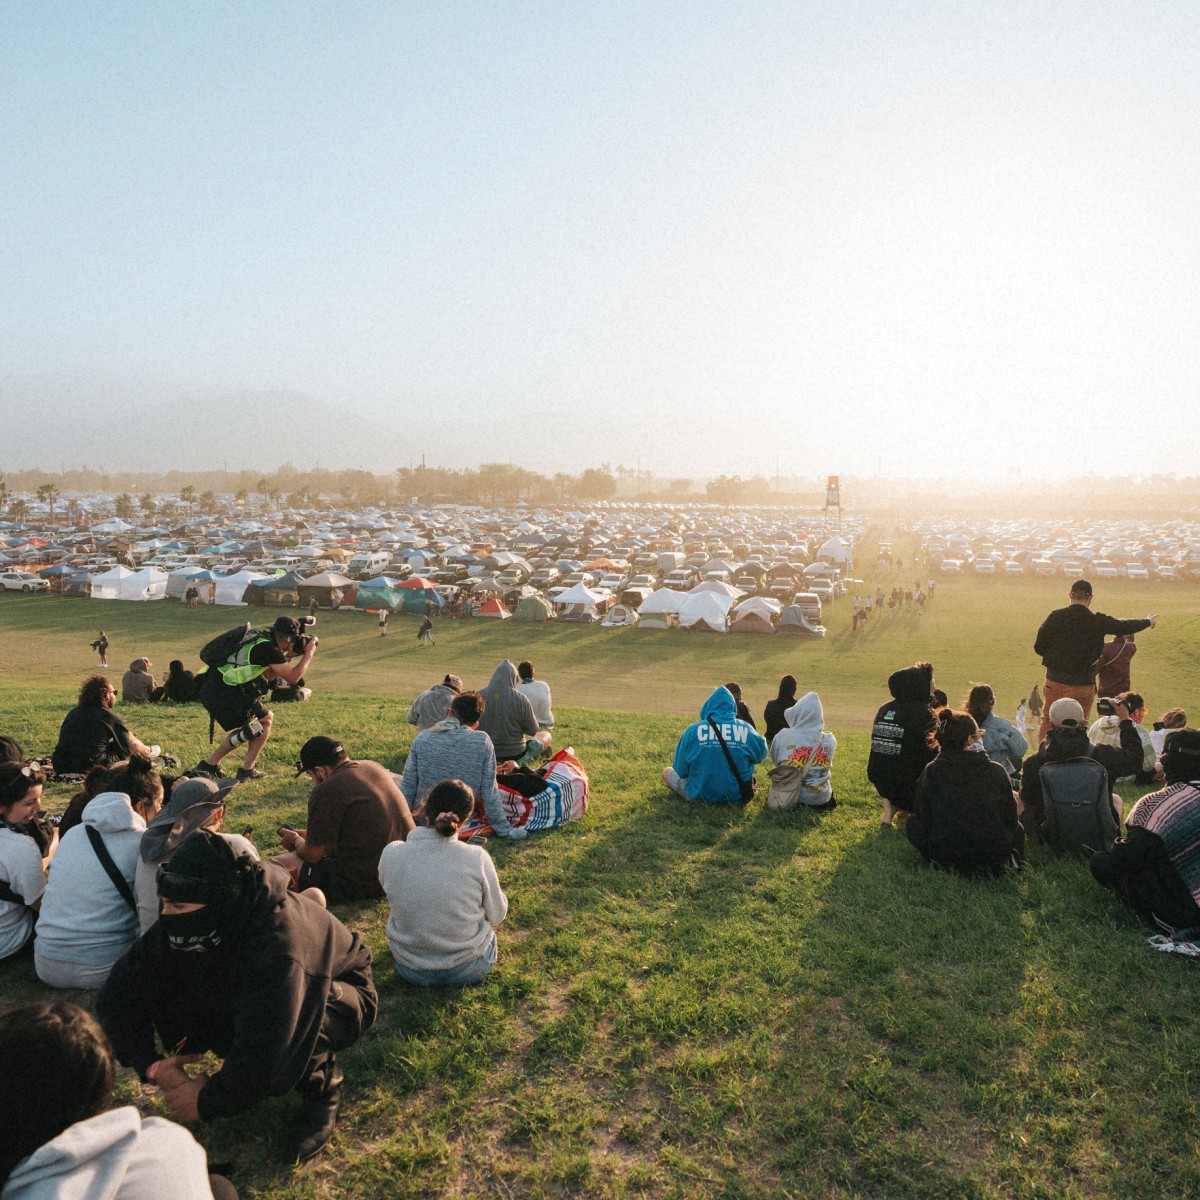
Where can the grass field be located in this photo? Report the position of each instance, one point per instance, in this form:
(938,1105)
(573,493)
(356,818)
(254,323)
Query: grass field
(701,1002)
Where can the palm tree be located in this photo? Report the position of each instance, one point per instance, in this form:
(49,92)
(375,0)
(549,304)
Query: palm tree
(188,496)
(124,506)
(18,509)
(48,494)
(146,504)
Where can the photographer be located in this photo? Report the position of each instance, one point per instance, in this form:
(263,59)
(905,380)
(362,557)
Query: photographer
(232,691)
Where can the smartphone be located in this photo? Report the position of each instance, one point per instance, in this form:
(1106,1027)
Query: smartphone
(248,832)
(285,829)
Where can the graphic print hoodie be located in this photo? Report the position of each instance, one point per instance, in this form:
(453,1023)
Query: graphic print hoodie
(699,760)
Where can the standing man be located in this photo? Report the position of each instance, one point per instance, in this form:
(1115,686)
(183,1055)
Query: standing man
(232,692)
(355,809)
(538,693)
(1069,641)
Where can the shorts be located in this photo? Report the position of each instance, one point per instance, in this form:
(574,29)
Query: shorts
(326,875)
(230,707)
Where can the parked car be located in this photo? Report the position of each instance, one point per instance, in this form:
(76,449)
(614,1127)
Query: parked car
(22,581)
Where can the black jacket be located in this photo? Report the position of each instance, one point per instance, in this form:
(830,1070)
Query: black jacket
(1061,744)
(259,1002)
(1070,639)
(900,736)
(965,815)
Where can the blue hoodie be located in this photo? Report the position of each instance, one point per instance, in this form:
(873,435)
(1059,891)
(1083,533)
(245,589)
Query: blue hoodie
(699,760)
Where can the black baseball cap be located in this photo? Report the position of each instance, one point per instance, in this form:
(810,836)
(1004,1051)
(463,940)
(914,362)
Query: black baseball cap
(320,751)
(1081,587)
(286,625)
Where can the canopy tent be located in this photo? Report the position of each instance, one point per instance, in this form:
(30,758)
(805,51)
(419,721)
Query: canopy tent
(664,600)
(534,608)
(276,591)
(179,581)
(329,590)
(231,589)
(706,610)
(580,603)
(836,550)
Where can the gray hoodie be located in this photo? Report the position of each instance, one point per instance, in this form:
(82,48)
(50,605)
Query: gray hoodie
(116,1155)
(508,718)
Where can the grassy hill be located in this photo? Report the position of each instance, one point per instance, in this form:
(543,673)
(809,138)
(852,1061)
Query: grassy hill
(703,1002)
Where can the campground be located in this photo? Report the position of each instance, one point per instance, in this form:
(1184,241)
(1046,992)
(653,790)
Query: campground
(704,1002)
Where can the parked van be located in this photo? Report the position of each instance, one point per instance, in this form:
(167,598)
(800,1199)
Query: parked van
(368,564)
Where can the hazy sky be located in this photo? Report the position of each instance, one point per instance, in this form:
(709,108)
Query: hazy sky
(845,236)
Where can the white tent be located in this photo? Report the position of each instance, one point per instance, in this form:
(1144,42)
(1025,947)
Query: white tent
(579,594)
(708,610)
(232,588)
(179,581)
(107,586)
(618,616)
(147,584)
(836,550)
(764,606)
(718,587)
(664,600)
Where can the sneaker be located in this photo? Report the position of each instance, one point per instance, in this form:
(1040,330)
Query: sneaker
(244,773)
(206,769)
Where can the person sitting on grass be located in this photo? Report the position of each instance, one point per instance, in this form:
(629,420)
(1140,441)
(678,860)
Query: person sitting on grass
(802,754)
(137,684)
(62,1138)
(965,814)
(900,741)
(93,734)
(1002,741)
(89,913)
(26,848)
(444,894)
(701,769)
(773,714)
(1155,868)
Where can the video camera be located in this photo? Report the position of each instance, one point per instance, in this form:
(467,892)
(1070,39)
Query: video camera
(1106,706)
(302,640)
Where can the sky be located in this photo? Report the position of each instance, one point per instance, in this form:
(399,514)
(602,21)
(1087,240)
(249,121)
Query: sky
(743,237)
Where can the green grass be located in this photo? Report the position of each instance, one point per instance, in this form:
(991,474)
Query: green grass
(704,1002)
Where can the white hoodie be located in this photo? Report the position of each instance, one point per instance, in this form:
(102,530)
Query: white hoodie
(117,1155)
(84,920)
(793,746)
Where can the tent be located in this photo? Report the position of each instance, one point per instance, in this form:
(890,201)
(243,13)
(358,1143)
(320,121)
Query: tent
(580,603)
(276,591)
(792,620)
(618,616)
(328,589)
(120,583)
(494,609)
(752,621)
(107,585)
(664,600)
(179,581)
(534,608)
(837,550)
(231,589)
(383,592)
(706,610)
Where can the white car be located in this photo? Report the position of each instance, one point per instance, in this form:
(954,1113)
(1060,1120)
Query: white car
(22,581)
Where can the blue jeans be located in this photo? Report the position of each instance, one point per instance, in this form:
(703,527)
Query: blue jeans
(471,972)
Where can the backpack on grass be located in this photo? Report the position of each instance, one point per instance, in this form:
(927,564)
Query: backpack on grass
(1077,807)
(225,645)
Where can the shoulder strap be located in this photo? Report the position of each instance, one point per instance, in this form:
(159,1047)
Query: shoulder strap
(110,867)
(725,750)
(9,896)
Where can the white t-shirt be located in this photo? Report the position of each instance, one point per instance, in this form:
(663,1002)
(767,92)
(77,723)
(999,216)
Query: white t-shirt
(21,869)
(538,694)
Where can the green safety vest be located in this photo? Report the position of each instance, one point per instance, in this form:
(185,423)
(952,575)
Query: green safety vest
(239,669)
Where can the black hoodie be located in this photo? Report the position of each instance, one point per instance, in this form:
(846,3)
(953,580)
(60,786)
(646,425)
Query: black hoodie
(965,815)
(900,736)
(259,1002)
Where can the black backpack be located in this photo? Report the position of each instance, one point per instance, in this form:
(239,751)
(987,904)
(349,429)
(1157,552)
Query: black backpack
(1077,814)
(225,645)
